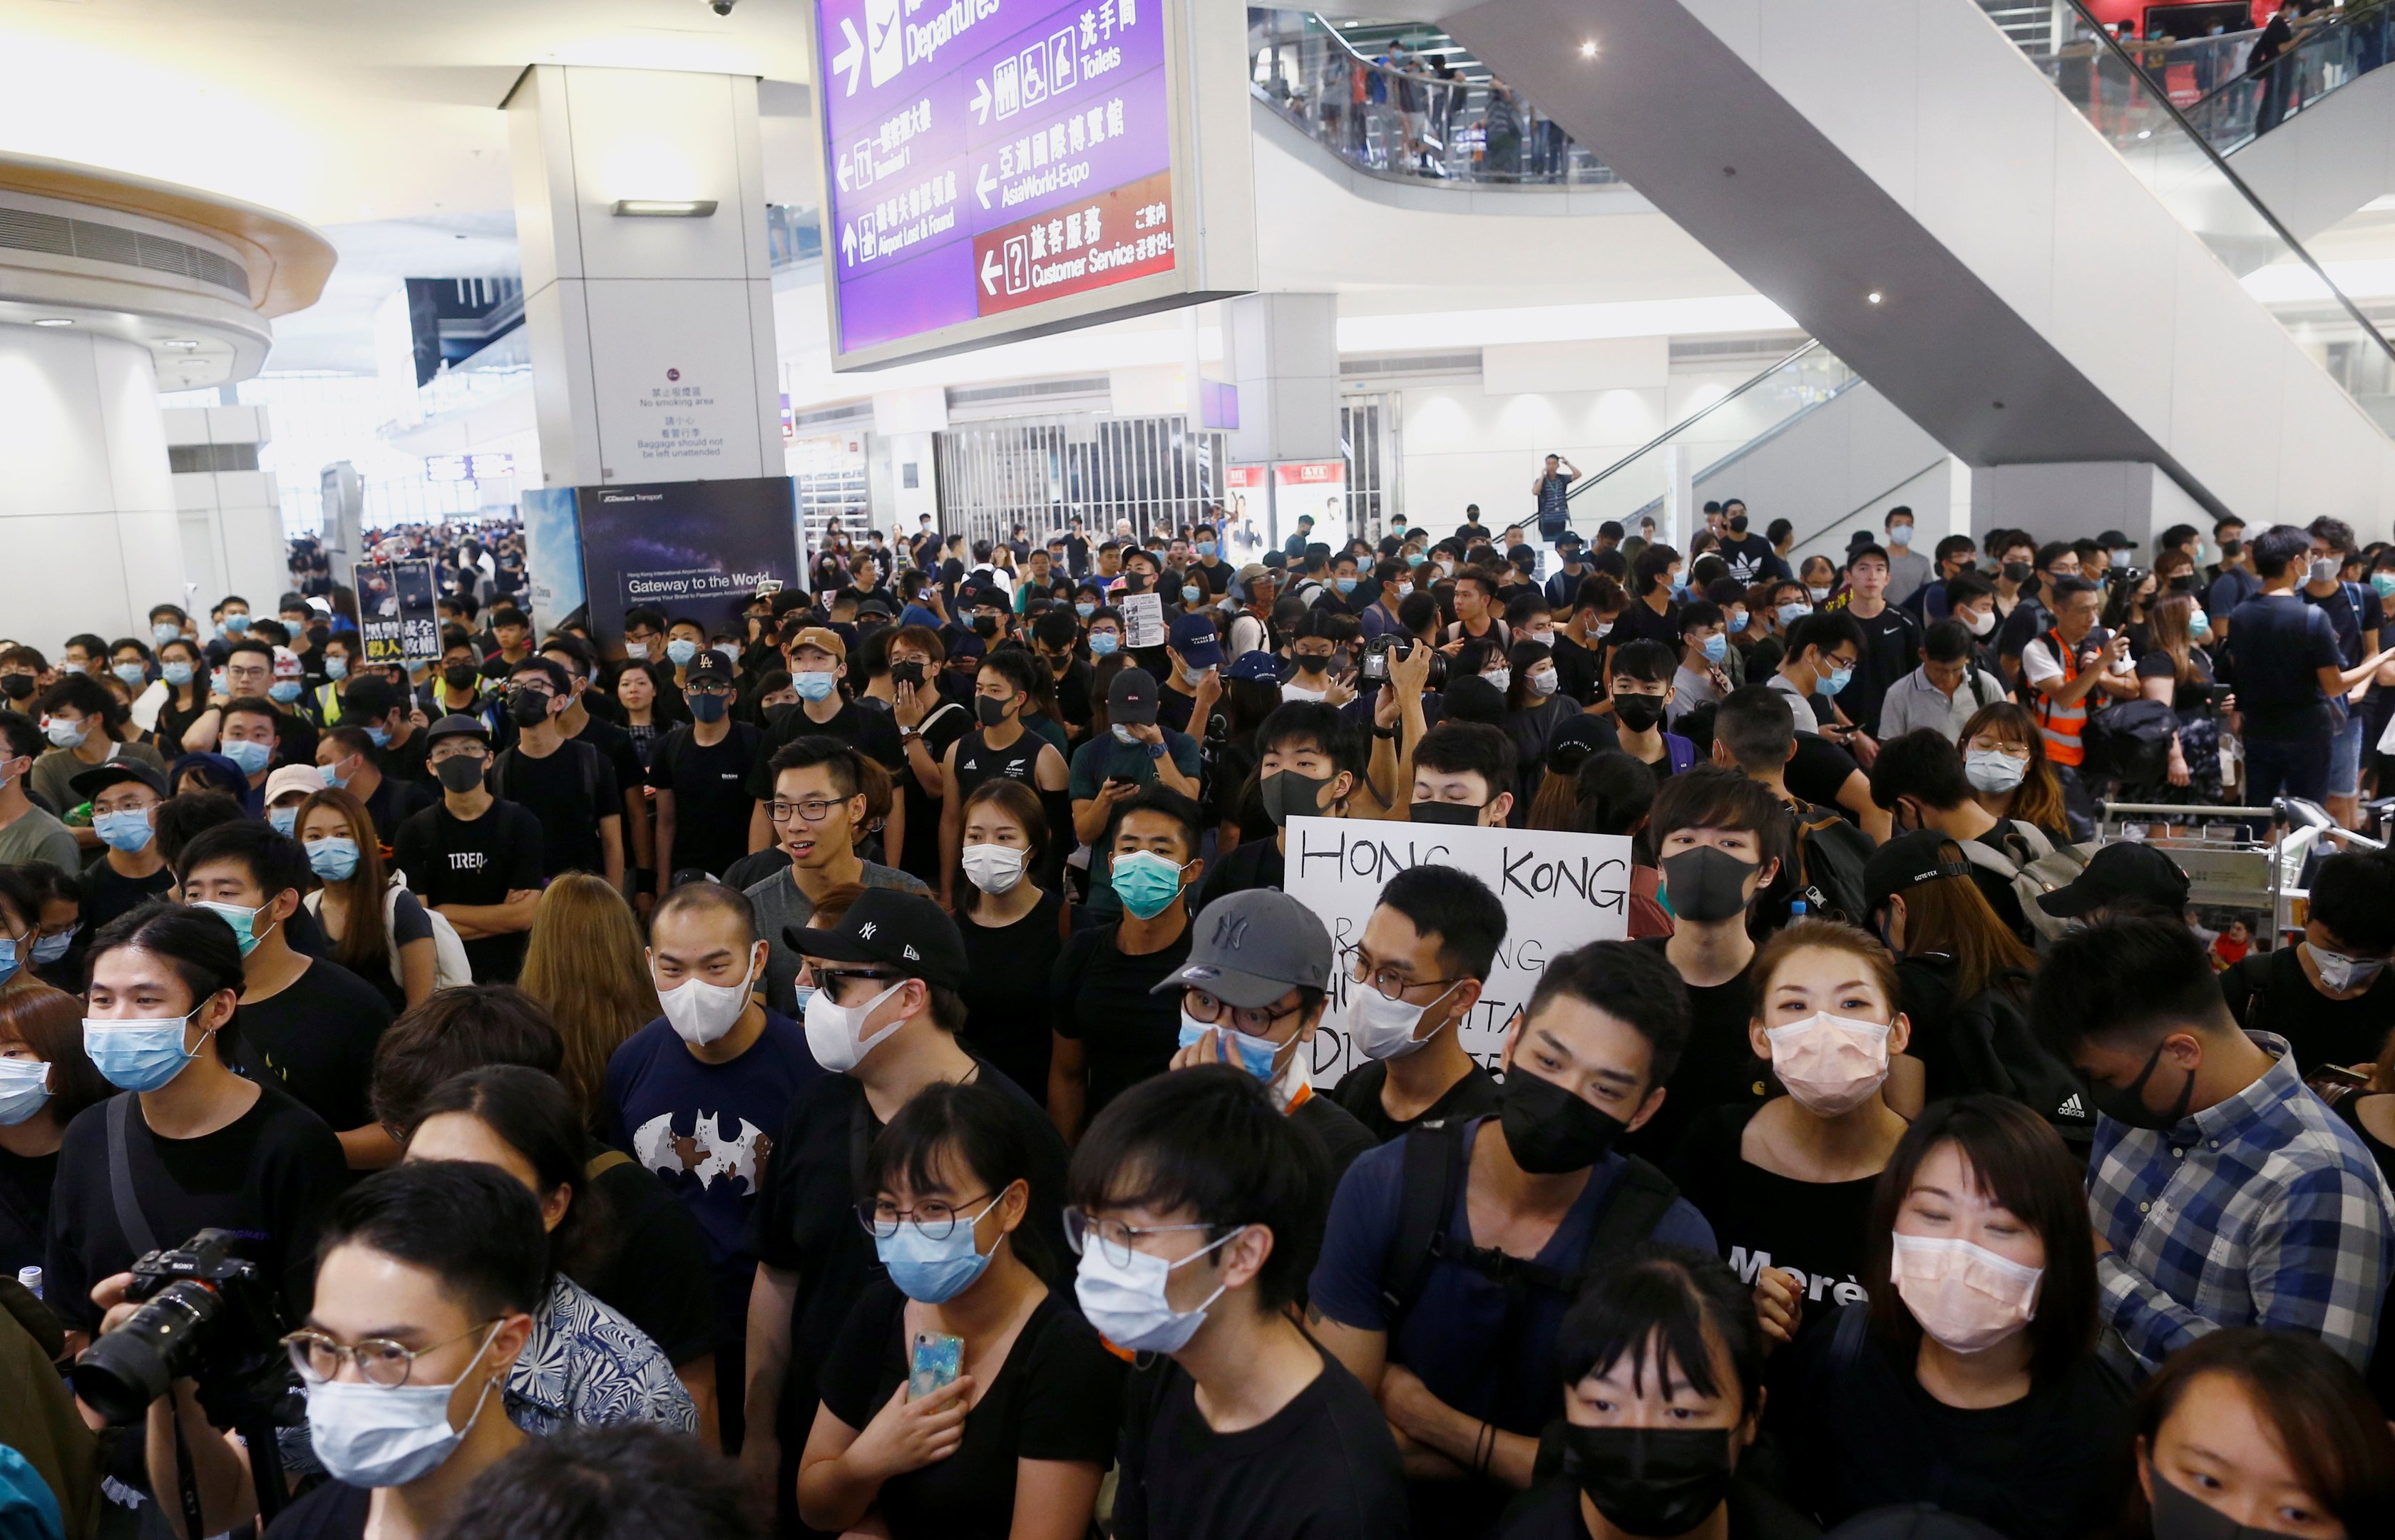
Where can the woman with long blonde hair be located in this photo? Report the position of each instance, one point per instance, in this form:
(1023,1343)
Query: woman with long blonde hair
(587,965)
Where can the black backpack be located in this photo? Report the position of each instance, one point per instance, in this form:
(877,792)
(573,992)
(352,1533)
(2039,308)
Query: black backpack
(1831,855)
(2131,741)
(1433,1176)
(1994,1051)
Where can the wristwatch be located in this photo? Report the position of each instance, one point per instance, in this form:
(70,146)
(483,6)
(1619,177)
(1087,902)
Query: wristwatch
(1155,751)
(1380,732)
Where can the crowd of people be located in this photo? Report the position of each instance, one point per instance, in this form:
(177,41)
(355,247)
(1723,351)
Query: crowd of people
(851,1065)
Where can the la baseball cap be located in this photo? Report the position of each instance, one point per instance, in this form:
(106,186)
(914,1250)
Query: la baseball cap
(708,668)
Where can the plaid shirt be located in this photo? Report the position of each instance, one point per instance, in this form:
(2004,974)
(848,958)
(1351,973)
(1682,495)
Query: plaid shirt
(2263,1211)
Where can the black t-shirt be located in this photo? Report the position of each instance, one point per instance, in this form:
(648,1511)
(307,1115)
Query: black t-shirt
(655,1272)
(332,1511)
(1359,1091)
(1058,1396)
(406,761)
(25,1183)
(977,762)
(2268,992)
(315,1038)
(1891,650)
(1862,1434)
(1214,576)
(1576,672)
(947,723)
(393,802)
(266,1176)
(569,791)
(1323,1467)
(712,804)
(1818,1231)
(1100,997)
(2029,621)
(1550,1511)
(1336,1129)
(1718,1068)
(1748,557)
(1638,621)
(1254,862)
(1006,992)
(453,860)
(1820,769)
(622,756)
(2279,644)
(869,729)
(1174,707)
(107,894)
(2195,693)
(1073,698)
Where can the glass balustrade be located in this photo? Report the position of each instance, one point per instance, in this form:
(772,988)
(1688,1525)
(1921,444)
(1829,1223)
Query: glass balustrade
(1425,121)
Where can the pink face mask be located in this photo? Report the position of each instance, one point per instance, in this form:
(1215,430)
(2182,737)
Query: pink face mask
(1966,1296)
(1829,1064)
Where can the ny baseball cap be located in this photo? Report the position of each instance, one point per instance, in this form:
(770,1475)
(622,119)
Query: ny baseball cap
(1251,947)
(1194,638)
(1131,698)
(903,931)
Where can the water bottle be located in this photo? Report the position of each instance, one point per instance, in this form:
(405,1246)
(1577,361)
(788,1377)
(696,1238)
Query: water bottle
(31,1278)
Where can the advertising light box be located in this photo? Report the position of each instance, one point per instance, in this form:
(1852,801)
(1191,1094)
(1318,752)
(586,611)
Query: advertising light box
(1004,168)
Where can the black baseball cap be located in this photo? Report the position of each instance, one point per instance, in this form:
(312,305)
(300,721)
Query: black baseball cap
(708,668)
(2125,869)
(456,724)
(903,931)
(2113,539)
(1131,698)
(1905,862)
(100,777)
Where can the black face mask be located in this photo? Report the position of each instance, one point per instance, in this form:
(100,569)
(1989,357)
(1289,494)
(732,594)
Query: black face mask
(986,625)
(1314,663)
(1638,712)
(1706,884)
(1287,794)
(15,686)
(2180,1515)
(1460,813)
(460,677)
(2127,1104)
(530,708)
(991,711)
(1738,523)
(2016,573)
(1650,1481)
(1550,1130)
(459,773)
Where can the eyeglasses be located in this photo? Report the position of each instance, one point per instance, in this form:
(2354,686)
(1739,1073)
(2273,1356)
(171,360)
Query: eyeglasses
(1391,983)
(935,1220)
(1254,1020)
(380,1360)
(1112,1237)
(813,810)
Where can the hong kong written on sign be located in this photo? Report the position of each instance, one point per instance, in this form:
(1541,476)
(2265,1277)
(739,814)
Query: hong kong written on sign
(1560,890)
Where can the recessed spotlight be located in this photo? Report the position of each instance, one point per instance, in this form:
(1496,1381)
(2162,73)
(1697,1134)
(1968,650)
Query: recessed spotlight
(1873,297)
(2145,132)
(54,321)
(1588,49)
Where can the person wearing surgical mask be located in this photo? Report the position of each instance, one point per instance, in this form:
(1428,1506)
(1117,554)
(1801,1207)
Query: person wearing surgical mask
(379,932)
(1014,924)
(1662,1369)
(2332,996)
(965,1388)
(131,871)
(158,1022)
(1253,995)
(84,725)
(1191,1196)
(44,1079)
(1002,745)
(1702,677)
(1789,1182)
(883,973)
(717,1064)
(1414,977)
(253,741)
(1969,1377)
(307,1023)
(2003,758)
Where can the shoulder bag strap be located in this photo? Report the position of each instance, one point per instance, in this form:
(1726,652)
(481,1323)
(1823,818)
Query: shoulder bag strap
(129,1217)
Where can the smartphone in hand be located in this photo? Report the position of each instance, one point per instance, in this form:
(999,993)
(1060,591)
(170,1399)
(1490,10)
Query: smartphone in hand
(934,1363)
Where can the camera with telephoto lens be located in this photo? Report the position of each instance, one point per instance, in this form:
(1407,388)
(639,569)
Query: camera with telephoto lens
(1389,648)
(205,1315)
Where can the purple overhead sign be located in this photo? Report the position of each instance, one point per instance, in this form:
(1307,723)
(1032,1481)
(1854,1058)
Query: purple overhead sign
(984,158)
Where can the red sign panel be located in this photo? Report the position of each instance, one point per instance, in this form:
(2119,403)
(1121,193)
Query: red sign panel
(1111,237)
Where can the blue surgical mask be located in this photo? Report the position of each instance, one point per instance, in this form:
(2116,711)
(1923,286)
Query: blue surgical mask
(337,666)
(333,859)
(934,1272)
(1205,547)
(379,736)
(1103,642)
(1145,883)
(9,959)
(1415,558)
(164,633)
(133,675)
(125,832)
(1085,609)
(681,650)
(812,686)
(243,921)
(332,781)
(285,821)
(1837,680)
(139,1055)
(1344,584)
(1716,648)
(235,625)
(218,683)
(1191,593)
(49,949)
(2199,625)
(177,674)
(2384,583)
(1193,677)
(1255,1053)
(246,756)
(24,1090)
(284,691)
(1792,613)
(801,994)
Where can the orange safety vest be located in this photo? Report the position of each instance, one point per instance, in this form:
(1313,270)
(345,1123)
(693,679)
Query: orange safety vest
(2060,725)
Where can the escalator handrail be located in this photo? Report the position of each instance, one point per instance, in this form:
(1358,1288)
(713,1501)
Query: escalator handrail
(1668,435)
(2338,25)
(2222,162)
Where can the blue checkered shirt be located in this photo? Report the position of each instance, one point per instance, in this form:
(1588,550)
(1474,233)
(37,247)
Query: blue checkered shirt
(2263,1211)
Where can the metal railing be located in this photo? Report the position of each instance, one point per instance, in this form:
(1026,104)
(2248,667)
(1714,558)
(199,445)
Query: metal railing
(1410,119)
(2319,60)
(2211,83)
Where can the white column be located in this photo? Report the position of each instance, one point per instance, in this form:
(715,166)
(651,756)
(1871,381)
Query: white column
(88,537)
(652,337)
(1283,353)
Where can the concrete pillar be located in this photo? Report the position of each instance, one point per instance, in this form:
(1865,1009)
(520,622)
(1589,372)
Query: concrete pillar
(2074,502)
(1283,354)
(651,336)
(87,521)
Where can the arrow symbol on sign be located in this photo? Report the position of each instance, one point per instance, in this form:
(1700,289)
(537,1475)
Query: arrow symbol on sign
(981,100)
(848,245)
(982,182)
(844,172)
(852,58)
(989,272)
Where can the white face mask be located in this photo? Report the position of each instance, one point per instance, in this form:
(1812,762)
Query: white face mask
(1128,1303)
(1829,1064)
(1978,624)
(2342,973)
(700,1013)
(1543,682)
(1383,1029)
(1819,593)
(1966,1296)
(1502,678)
(995,868)
(2324,570)
(1993,771)
(832,1030)
(387,1436)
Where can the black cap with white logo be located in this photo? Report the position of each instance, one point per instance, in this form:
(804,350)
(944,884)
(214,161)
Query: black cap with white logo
(905,932)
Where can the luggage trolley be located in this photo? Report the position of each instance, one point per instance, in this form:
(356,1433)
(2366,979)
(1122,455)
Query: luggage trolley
(2228,867)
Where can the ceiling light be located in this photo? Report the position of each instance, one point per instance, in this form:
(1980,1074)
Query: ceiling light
(54,321)
(1873,297)
(183,344)
(2145,132)
(665,208)
(1588,49)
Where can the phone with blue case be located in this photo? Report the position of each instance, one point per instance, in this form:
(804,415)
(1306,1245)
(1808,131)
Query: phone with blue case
(936,1361)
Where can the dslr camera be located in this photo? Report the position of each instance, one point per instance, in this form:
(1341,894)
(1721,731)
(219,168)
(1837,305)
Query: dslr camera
(1388,648)
(205,1315)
